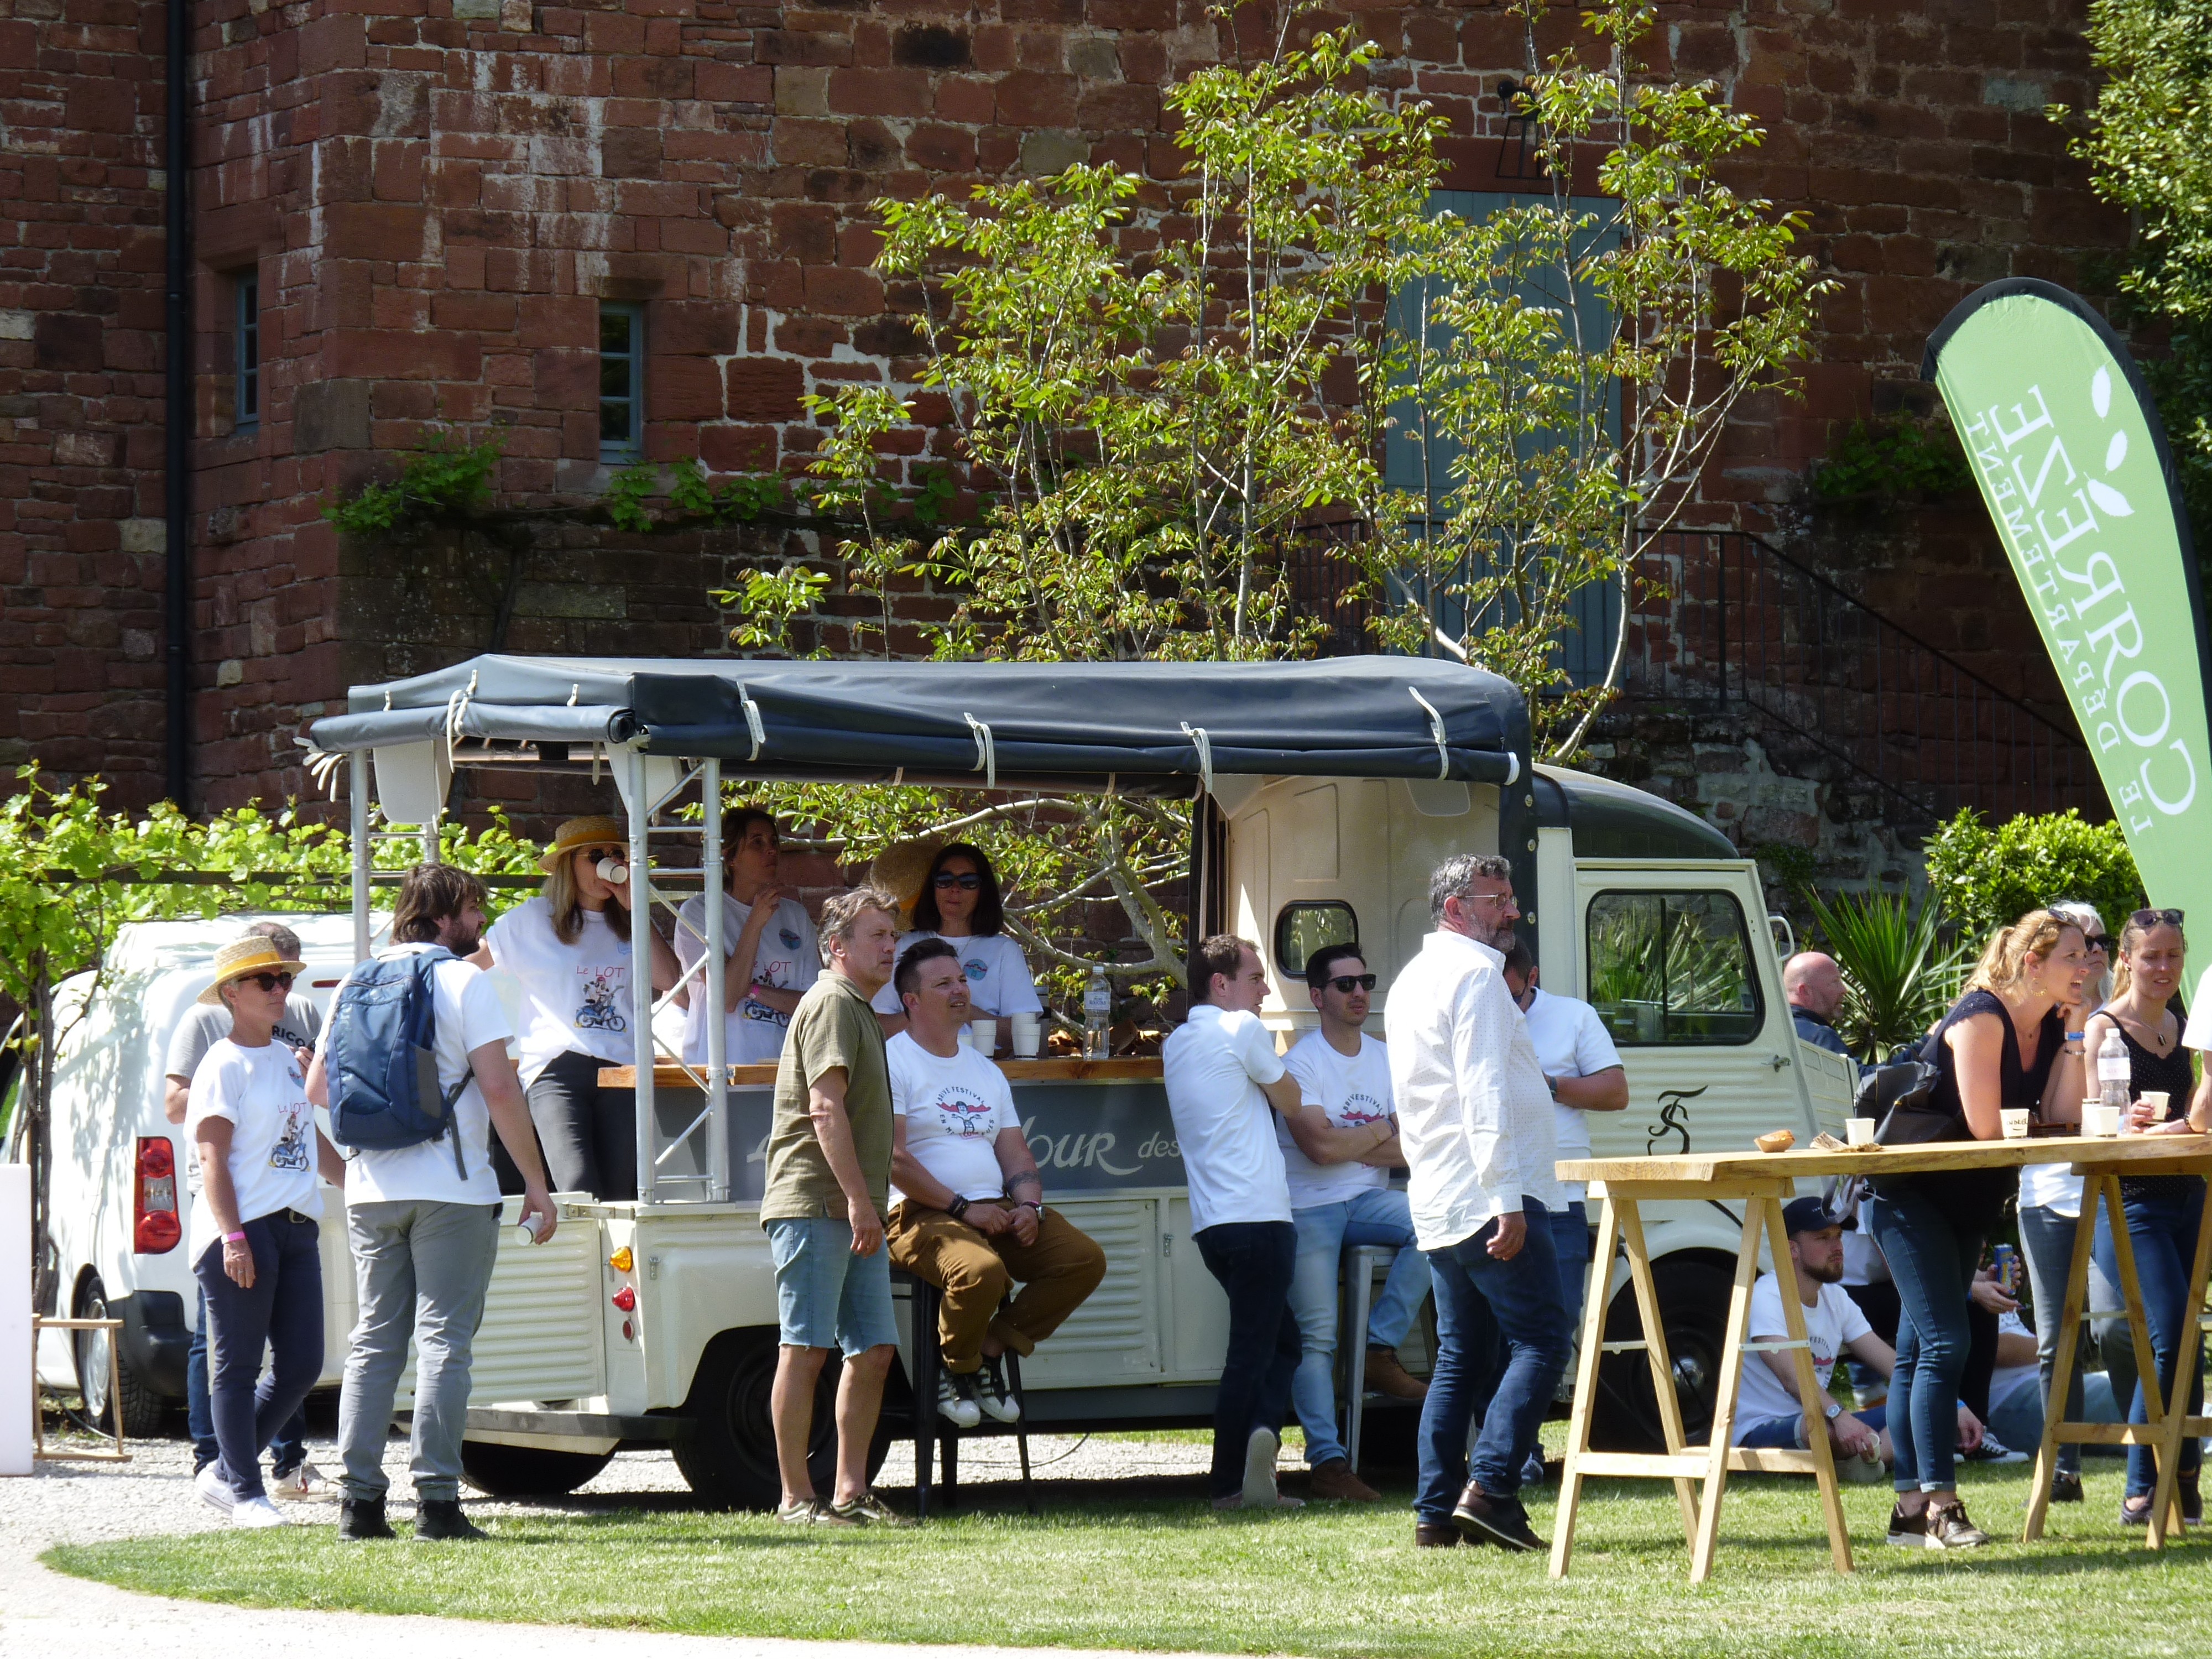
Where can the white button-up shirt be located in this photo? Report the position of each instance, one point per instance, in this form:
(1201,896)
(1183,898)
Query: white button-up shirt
(1213,1065)
(1475,1115)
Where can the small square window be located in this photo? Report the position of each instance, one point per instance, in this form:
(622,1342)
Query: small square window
(621,381)
(245,392)
(1304,926)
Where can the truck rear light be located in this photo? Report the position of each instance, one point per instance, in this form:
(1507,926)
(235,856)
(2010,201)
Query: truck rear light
(625,1299)
(153,1225)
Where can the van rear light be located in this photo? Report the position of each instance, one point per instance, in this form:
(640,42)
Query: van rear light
(154,1226)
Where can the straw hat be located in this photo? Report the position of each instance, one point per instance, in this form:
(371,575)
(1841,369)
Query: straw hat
(900,868)
(581,832)
(243,958)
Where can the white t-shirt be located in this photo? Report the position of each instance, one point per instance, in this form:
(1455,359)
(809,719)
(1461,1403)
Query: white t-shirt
(1213,1065)
(788,958)
(2198,1033)
(204,1024)
(954,1110)
(1831,1323)
(263,1093)
(2007,1380)
(575,997)
(1349,1089)
(466,1008)
(1571,1042)
(998,982)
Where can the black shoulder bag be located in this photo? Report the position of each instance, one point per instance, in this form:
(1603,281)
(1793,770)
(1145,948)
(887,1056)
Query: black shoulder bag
(1901,1098)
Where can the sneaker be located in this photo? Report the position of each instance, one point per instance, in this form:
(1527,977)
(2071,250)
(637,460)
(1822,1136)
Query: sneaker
(1336,1481)
(1910,1531)
(869,1510)
(362,1519)
(1259,1492)
(439,1521)
(1945,1526)
(1860,1469)
(1386,1376)
(811,1512)
(257,1512)
(1993,1450)
(2065,1487)
(992,1392)
(1532,1472)
(2136,1511)
(304,1484)
(956,1400)
(1427,1535)
(214,1490)
(1499,1520)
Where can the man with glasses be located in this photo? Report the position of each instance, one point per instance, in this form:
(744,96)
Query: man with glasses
(1345,1199)
(1474,1121)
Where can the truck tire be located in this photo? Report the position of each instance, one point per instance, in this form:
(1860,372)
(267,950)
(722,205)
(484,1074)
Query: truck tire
(729,1458)
(107,1394)
(1694,1302)
(528,1471)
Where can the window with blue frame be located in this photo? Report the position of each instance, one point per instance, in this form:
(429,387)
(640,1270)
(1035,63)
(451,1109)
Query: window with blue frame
(621,382)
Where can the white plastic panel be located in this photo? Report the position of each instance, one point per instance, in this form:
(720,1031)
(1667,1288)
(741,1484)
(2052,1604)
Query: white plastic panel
(1115,1336)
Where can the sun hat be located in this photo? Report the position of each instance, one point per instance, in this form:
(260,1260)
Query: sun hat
(581,832)
(243,958)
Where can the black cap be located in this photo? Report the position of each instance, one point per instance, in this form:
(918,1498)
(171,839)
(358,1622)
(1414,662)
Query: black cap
(1808,1215)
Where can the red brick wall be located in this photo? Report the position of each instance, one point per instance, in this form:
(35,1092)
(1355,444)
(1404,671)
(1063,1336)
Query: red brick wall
(436,204)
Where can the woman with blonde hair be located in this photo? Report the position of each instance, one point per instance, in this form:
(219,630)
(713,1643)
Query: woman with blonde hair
(2013,1040)
(569,950)
(2163,1211)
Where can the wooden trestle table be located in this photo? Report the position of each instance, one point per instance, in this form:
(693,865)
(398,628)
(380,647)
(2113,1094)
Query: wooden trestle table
(1763,1183)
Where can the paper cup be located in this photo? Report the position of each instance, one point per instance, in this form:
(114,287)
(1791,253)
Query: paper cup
(1029,1035)
(2101,1121)
(1859,1131)
(983,1036)
(2016,1119)
(2156,1100)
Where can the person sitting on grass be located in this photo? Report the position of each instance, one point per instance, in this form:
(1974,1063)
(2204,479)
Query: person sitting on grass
(968,1211)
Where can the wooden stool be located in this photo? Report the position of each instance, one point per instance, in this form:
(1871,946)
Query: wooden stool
(39,1448)
(930,1431)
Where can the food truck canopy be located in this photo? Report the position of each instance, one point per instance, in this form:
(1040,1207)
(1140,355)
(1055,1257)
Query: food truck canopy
(1017,724)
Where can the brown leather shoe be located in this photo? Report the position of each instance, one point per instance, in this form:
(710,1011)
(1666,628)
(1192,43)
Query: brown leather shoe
(1427,1537)
(1385,1376)
(1334,1479)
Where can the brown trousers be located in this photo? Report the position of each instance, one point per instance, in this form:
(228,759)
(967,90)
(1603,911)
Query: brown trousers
(974,1271)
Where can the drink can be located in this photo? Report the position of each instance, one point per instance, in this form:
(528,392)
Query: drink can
(2008,1268)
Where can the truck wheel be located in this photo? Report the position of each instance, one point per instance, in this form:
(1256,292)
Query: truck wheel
(1693,1302)
(729,1458)
(528,1471)
(108,1393)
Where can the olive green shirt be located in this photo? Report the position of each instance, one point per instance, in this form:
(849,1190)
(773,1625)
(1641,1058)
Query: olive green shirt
(832,1028)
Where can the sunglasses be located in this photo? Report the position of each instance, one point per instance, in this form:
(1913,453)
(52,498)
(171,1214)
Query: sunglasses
(1347,983)
(2155,918)
(595,853)
(267,981)
(967,883)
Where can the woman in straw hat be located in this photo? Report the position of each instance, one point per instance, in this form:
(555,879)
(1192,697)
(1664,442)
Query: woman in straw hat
(773,953)
(569,948)
(256,1232)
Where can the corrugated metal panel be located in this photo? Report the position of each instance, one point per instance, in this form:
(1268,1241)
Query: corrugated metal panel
(1115,1335)
(540,1338)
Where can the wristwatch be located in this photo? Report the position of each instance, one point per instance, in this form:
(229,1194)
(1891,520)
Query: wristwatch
(1552,1084)
(1835,1409)
(957,1207)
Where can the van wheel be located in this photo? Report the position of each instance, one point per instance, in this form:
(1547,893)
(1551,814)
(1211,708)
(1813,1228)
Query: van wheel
(1693,1302)
(729,1458)
(528,1471)
(108,1393)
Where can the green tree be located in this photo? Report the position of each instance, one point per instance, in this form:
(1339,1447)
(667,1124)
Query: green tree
(1986,878)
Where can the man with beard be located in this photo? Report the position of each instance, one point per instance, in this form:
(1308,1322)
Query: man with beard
(423,1220)
(1474,1122)
(1769,1412)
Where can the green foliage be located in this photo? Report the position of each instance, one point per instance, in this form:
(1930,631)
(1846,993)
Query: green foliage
(1899,977)
(1881,463)
(1988,879)
(443,479)
(695,494)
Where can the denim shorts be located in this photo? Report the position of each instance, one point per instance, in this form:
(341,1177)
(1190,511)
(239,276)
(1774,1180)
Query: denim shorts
(825,1295)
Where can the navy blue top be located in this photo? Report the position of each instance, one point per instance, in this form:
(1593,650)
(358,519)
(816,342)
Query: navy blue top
(1818,1032)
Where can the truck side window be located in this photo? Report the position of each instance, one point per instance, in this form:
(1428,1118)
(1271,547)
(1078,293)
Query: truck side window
(1304,926)
(1672,968)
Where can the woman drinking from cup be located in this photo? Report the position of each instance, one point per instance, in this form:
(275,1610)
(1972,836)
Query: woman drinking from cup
(773,954)
(569,948)
(961,904)
(2163,1211)
(2014,1040)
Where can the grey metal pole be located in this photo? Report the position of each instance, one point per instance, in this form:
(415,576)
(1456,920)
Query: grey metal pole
(430,841)
(357,828)
(717,977)
(641,962)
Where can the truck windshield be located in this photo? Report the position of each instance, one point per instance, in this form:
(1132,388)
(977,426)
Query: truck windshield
(1669,969)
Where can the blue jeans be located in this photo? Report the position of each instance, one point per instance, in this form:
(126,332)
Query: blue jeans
(286,1452)
(2046,1240)
(1783,1432)
(825,1295)
(1474,1288)
(283,1312)
(1254,1261)
(1570,1241)
(1378,1216)
(2163,1230)
(1932,1263)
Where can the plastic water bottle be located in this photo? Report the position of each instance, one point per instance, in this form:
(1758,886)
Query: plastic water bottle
(2114,1073)
(1097,1014)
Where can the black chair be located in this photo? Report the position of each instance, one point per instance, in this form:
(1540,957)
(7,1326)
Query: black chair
(930,1431)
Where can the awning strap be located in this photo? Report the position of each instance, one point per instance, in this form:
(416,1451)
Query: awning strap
(457,706)
(752,722)
(1205,746)
(986,757)
(1437,730)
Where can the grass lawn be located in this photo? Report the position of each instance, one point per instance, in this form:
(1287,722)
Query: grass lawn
(1145,1564)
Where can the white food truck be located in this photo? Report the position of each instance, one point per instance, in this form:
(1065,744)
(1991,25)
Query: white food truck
(1324,793)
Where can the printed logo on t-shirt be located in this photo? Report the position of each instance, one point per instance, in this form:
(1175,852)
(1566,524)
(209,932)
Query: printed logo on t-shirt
(1360,1107)
(599,1006)
(961,1111)
(790,938)
(977,970)
(290,1152)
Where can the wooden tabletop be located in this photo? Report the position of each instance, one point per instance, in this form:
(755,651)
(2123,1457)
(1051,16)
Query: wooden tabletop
(1052,1070)
(2103,1152)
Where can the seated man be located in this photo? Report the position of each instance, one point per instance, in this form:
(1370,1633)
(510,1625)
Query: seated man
(968,1209)
(1339,1198)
